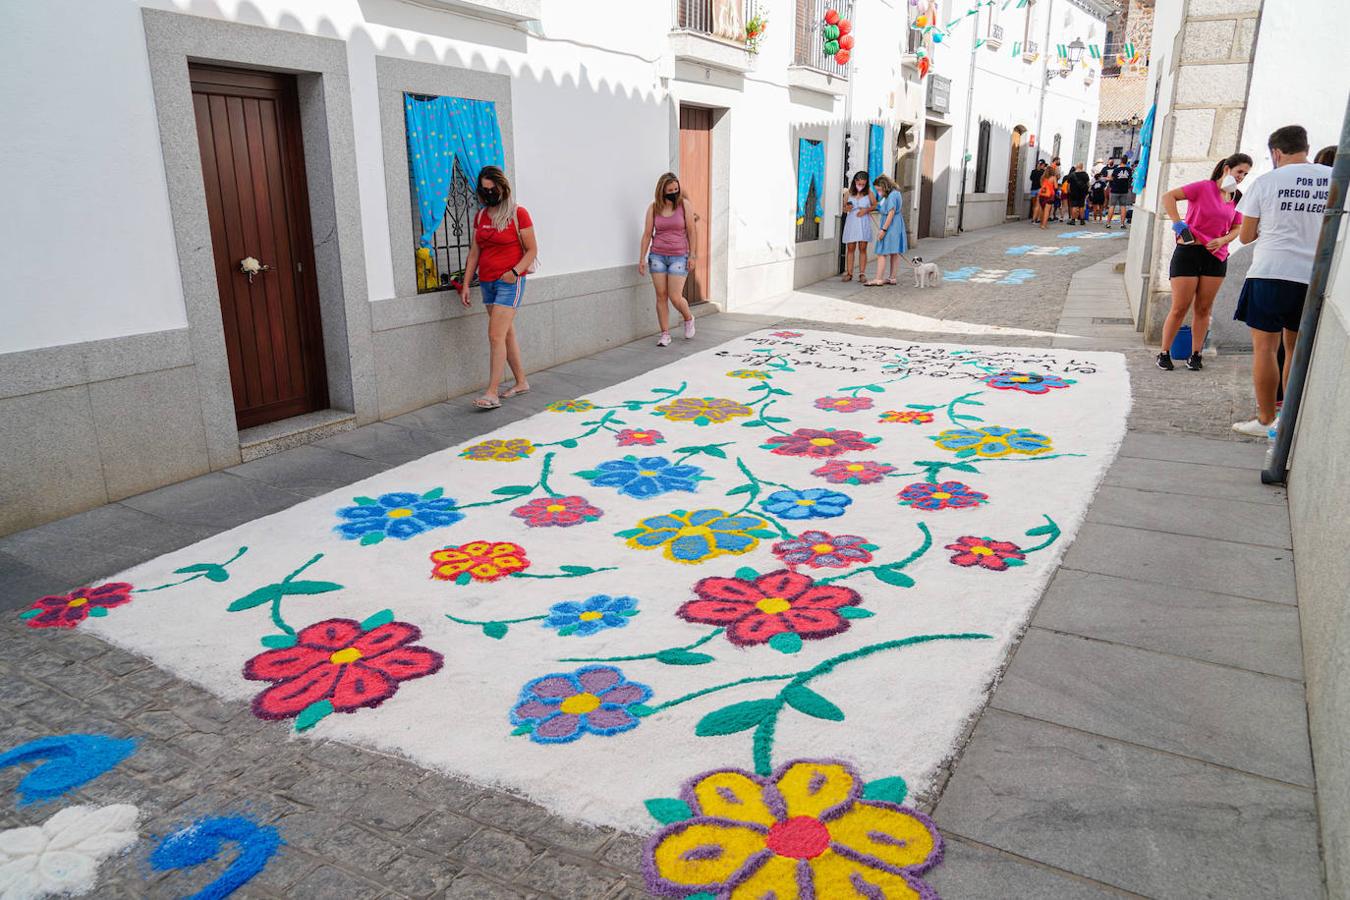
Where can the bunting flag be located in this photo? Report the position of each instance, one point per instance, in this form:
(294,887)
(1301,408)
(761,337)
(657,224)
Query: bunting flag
(1017,48)
(979,43)
(1129,51)
(1062,51)
(1094,51)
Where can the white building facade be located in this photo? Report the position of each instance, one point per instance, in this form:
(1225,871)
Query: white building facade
(156,144)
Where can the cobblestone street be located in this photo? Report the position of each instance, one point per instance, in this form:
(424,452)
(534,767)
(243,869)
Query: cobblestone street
(1147,688)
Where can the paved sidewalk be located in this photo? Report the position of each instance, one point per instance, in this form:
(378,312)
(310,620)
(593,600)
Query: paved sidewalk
(1149,736)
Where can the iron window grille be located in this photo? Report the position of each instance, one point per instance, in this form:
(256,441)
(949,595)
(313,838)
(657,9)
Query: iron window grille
(809,229)
(451,240)
(723,19)
(809,46)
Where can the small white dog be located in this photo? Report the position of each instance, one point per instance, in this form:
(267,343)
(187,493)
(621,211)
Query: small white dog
(926,274)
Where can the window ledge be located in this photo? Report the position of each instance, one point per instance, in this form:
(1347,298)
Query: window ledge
(510,12)
(708,50)
(809,78)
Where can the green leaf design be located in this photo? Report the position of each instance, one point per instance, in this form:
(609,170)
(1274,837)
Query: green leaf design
(762,533)
(371,537)
(921,407)
(716,452)
(30,613)
(310,715)
(747,573)
(383,617)
(640,710)
(806,701)
(755,424)
(522,729)
(308,587)
(786,642)
(854,612)
(874,388)
(364,501)
(587,474)
(628,533)
(193,569)
(577,570)
(217,574)
(495,630)
(256,598)
(776,419)
(434,494)
(887,790)
(677,656)
(1011,563)
(279,641)
(893,576)
(1040,530)
(962,417)
(736,717)
(463,578)
(963,467)
(870,547)
(567,630)
(741,489)
(98,612)
(873,440)
(569,443)
(513,490)
(668,810)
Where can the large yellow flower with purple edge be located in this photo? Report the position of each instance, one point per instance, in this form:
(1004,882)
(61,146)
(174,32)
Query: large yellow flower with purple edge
(703,410)
(508,450)
(806,831)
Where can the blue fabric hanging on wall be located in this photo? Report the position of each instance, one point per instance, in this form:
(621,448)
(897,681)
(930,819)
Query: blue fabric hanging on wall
(810,169)
(876,152)
(441,132)
(1145,144)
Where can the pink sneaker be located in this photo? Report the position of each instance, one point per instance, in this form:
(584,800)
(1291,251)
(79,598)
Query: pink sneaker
(664,340)
(688,329)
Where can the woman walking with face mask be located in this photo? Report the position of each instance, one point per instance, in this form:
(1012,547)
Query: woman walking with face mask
(502,251)
(1200,259)
(668,250)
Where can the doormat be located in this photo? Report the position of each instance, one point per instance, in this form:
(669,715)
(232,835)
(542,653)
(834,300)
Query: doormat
(791,564)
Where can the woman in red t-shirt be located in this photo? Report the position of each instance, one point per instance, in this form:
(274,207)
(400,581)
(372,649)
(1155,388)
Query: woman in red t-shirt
(501,251)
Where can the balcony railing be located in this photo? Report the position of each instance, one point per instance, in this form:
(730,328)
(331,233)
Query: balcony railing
(1030,50)
(723,19)
(810,41)
(995,39)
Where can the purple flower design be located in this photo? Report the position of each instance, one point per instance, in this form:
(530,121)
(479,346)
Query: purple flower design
(818,549)
(561,707)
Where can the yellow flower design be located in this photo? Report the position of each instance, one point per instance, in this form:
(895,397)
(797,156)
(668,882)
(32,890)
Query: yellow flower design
(993,441)
(508,450)
(570,406)
(703,410)
(805,831)
(757,374)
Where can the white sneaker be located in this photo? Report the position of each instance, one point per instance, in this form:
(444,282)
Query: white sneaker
(664,341)
(1251,428)
(688,329)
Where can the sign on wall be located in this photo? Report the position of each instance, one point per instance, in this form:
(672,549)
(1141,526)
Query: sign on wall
(939,93)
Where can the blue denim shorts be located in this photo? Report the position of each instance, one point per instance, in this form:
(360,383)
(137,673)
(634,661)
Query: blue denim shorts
(500,293)
(668,265)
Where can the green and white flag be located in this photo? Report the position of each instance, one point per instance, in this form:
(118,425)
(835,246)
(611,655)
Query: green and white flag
(1094,51)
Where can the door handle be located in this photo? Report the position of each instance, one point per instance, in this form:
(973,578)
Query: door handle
(250,267)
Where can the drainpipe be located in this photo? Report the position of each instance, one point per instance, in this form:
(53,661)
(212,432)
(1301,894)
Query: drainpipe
(1277,466)
(965,139)
(1045,83)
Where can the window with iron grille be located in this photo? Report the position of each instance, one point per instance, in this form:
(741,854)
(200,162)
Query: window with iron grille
(809,43)
(443,262)
(809,228)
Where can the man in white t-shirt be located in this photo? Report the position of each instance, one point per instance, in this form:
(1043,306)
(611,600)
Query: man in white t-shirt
(1282,215)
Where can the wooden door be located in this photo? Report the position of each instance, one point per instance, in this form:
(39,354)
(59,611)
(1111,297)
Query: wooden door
(1014,172)
(930,136)
(696,182)
(248,129)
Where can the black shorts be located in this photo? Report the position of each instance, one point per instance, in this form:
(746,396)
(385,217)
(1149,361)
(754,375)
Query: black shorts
(1099,199)
(1271,304)
(1193,260)
(1077,199)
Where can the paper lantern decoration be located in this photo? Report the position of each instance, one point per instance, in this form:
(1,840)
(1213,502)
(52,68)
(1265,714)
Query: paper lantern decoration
(842,57)
(831,48)
(923,66)
(921,22)
(846,42)
(921,53)
(937,37)
(845,26)
(831,32)
(832,16)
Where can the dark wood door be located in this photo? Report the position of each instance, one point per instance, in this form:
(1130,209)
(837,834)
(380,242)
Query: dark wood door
(930,136)
(248,127)
(696,182)
(1014,171)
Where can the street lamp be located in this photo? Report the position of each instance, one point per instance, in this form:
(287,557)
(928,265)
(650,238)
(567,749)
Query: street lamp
(1135,122)
(1076,51)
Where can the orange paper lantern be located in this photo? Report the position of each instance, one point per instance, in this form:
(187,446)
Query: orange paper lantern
(846,42)
(921,22)
(845,26)
(832,17)
(842,57)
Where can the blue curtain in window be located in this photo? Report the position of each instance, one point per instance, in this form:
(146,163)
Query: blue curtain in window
(810,170)
(1145,144)
(441,132)
(876,152)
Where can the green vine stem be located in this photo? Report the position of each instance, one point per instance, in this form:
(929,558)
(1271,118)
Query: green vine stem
(646,711)
(875,387)
(752,489)
(957,418)
(576,572)
(519,491)
(930,469)
(1050,529)
(714,450)
(213,571)
(273,594)
(603,424)
(890,572)
(674,656)
(666,395)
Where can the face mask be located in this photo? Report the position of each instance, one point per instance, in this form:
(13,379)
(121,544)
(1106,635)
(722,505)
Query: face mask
(1228,183)
(673,197)
(490,196)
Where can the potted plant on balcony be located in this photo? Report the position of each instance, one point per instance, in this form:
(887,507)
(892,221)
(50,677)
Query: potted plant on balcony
(754,31)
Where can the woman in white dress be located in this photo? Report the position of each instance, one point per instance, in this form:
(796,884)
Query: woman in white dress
(859,204)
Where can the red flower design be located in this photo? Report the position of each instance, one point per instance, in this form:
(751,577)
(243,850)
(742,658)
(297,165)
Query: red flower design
(563,511)
(843,471)
(782,601)
(482,560)
(844,404)
(335,660)
(986,552)
(906,416)
(69,610)
(632,437)
(787,334)
(818,443)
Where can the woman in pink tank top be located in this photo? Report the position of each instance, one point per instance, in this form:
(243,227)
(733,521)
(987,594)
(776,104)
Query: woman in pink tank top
(667,249)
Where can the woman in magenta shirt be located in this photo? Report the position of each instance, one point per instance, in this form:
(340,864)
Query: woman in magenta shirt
(668,250)
(1200,259)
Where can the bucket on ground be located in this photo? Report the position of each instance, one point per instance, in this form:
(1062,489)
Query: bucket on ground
(1181,344)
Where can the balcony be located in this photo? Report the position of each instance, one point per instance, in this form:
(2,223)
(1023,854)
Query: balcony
(995,39)
(808,53)
(712,33)
(1030,52)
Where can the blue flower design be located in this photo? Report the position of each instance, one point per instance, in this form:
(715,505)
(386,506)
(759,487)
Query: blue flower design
(399,515)
(1026,382)
(993,441)
(644,478)
(559,708)
(693,537)
(590,616)
(816,503)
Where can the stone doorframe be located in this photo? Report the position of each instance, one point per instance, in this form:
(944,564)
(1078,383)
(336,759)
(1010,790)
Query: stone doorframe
(320,64)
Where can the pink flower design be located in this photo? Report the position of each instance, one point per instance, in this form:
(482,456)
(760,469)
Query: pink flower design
(562,511)
(843,471)
(986,552)
(69,610)
(754,611)
(821,550)
(844,404)
(646,437)
(786,334)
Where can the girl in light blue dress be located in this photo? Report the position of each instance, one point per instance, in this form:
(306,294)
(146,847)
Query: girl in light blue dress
(859,204)
(891,242)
